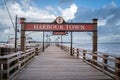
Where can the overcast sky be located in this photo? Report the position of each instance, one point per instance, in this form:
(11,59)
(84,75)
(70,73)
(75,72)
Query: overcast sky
(107,12)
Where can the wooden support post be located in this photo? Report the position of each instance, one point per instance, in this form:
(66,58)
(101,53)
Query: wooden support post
(73,51)
(84,55)
(117,66)
(77,52)
(0,51)
(105,61)
(22,20)
(94,46)
(0,70)
(36,51)
(6,76)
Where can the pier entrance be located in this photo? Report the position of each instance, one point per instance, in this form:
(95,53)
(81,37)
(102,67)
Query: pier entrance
(59,26)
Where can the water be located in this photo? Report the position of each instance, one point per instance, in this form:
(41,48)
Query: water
(110,48)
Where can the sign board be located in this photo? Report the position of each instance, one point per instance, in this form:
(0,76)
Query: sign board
(59,33)
(60,27)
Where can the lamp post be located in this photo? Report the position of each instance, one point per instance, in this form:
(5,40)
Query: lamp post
(71,45)
(71,41)
(43,42)
(49,39)
(57,40)
(61,41)
(46,39)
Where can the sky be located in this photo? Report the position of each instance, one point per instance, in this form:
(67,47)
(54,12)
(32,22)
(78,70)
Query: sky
(106,11)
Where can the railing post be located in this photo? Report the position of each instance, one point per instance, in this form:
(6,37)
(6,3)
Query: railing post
(117,66)
(68,49)
(63,48)
(36,51)
(6,76)
(105,61)
(84,54)
(73,51)
(0,52)
(0,70)
(78,52)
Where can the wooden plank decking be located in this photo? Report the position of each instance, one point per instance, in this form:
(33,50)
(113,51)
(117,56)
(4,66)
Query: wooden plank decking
(55,64)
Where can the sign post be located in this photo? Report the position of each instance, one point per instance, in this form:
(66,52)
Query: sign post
(94,46)
(22,21)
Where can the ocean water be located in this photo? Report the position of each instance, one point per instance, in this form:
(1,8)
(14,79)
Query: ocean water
(110,48)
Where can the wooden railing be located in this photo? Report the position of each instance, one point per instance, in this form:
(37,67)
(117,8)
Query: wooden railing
(11,64)
(6,50)
(107,63)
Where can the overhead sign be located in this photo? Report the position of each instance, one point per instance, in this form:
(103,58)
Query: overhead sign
(59,33)
(59,27)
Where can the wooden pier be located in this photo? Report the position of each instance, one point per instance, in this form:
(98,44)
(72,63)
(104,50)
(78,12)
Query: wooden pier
(56,64)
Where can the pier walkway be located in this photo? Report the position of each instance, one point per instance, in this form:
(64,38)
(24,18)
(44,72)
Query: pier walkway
(56,64)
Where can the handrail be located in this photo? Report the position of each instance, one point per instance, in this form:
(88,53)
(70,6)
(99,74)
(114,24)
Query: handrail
(11,64)
(107,63)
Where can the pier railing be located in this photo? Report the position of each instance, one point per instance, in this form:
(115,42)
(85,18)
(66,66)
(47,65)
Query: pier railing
(11,64)
(107,63)
(6,51)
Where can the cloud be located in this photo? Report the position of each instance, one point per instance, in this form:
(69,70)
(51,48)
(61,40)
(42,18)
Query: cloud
(101,22)
(32,14)
(39,14)
(111,5)
(108,21)
(25,3)
(69,13)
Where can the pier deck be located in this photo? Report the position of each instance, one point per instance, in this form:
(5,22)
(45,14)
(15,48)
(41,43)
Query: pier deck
(55,64)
